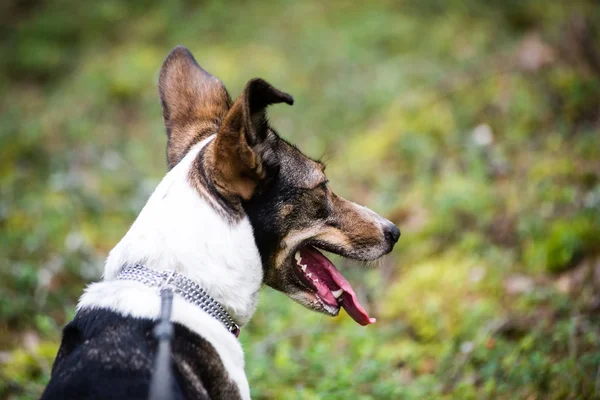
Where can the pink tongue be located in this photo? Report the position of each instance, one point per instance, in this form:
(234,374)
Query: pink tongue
(330,280)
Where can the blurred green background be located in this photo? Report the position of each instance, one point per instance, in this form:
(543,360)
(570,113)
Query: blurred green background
(473,125)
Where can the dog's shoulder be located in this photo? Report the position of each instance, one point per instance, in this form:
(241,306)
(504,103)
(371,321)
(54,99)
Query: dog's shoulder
(200,368)
(105,355)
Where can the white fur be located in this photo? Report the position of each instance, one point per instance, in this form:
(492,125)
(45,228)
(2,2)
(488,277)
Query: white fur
(179,230)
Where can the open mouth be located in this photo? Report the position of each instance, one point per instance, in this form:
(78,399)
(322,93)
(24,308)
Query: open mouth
(332,289)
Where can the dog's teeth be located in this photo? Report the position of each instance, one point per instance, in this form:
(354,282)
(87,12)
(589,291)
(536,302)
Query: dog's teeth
(298,257)
(309,274)
(303,268)
(315,280)
(337,293)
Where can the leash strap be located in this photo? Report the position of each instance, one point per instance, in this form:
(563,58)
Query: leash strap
(162,377)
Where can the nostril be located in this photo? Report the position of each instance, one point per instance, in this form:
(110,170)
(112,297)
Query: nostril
(392,233)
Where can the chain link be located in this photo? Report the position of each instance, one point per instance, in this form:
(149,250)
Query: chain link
(186,288)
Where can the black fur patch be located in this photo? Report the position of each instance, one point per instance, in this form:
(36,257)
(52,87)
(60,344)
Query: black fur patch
(104,355)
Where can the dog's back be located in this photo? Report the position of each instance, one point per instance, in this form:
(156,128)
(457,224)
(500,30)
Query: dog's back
(105,355)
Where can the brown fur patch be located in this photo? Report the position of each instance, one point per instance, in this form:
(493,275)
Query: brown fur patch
(243,141)
(360,226)
(236,167)
(202,179)
(193,101)
(286,210)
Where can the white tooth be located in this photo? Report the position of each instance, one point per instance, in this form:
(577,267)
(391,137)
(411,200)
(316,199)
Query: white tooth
(303,268)
(309,275)
(337,293)
(315,280)
(297,257)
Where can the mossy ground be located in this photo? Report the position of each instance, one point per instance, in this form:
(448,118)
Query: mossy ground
(474,126)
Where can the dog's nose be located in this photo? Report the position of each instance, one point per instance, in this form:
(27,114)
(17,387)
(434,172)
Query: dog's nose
(391,232)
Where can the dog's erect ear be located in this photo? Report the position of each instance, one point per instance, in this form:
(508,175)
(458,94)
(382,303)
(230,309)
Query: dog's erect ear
(193,101)
(242,142)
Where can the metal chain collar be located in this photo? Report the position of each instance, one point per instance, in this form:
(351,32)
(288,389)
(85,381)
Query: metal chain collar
(186,288)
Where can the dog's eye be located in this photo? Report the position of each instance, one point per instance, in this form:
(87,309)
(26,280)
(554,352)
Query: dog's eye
(322,185)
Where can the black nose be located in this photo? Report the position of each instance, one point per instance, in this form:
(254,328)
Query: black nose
(392,233)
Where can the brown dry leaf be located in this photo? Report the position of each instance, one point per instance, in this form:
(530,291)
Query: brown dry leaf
(533,53)
(31,341)
(572,281)
(518,284)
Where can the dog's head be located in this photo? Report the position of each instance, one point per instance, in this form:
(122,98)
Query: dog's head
(248,170)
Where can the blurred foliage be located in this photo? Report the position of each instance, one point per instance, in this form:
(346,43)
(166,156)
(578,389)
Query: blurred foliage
(473,125)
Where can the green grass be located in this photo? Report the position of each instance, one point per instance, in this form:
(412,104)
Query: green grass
(475,127)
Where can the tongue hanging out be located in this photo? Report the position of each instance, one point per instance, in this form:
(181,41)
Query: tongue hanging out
(332,287)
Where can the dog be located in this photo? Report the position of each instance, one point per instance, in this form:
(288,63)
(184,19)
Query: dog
(239,208)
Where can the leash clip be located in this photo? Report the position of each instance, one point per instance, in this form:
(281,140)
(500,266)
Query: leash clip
(235,329)
(162,378)
(166,283)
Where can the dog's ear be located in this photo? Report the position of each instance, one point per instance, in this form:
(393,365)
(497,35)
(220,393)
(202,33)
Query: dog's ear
(242,143)
(193,102)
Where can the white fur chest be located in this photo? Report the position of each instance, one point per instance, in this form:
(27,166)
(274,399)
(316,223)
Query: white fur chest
(179,230)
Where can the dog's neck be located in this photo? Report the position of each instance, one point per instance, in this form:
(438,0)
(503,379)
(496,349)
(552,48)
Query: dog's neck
(178,229)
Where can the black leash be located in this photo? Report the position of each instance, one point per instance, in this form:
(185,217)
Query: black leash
(161,384)
(162,379)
